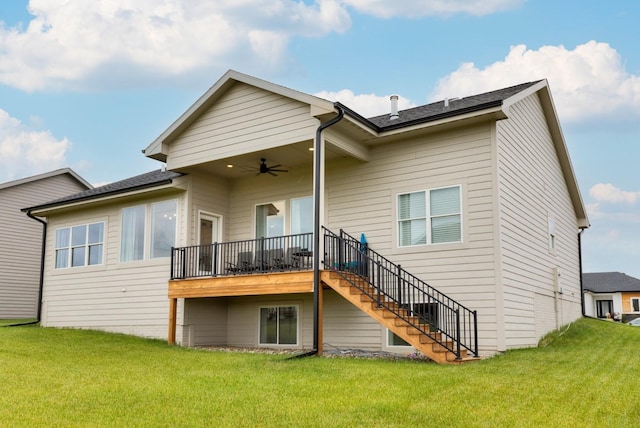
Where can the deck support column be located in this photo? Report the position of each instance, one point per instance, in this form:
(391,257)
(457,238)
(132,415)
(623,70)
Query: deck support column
(173,310)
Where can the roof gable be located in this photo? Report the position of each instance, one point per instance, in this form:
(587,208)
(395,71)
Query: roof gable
(158,148)
(46,175)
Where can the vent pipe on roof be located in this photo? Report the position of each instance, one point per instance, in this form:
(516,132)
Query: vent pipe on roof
(394,108)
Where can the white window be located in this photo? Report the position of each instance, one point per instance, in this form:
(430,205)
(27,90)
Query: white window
(151,226)
(635,304)
(430,217)
(279,325)
(163,228)
(80,245)
(270,220)
(301,215)
(132,236)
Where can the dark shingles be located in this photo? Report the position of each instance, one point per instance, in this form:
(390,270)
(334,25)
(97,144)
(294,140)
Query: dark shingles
(142,181)
(609,282)
(437,110)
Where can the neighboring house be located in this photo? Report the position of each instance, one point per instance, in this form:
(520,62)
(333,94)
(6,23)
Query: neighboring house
(609,293)
(475,197)
(21,238)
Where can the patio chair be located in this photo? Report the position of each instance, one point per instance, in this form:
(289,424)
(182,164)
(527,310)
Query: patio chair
(243,263)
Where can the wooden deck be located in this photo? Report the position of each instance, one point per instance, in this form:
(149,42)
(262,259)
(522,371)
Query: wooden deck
(243,285)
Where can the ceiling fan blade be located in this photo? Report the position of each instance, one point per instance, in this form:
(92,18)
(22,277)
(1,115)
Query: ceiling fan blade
(274,166)
(278,170)
(269,172)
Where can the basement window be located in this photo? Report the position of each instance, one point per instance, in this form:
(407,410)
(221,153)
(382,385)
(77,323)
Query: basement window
(279,325)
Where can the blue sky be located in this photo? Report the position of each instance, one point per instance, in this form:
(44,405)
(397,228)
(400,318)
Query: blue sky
(90,84)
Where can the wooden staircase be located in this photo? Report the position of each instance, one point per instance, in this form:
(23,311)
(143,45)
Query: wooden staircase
(358,291)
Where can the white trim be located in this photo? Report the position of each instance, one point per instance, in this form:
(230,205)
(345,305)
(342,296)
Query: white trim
(70,247)
(428,217)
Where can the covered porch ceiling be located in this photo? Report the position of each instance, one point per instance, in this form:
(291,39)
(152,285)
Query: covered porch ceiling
(288,157)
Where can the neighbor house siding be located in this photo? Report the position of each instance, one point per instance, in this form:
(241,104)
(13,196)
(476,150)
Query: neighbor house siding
(21,242)
(626,301)
(362,198)
(532,190)
(245,119)
(125,297)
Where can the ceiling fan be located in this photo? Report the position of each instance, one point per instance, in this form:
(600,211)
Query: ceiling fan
(264,169)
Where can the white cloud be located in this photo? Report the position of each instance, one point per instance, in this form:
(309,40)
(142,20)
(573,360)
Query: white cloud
(610,193)
(25,152)
(588,81)
(419,8)
(367,105)
(73,44)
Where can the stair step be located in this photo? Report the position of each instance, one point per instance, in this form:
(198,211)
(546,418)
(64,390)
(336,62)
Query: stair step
(430,338)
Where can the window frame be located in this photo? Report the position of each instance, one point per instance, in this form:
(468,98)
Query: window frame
(429,217)
(86,246)
(148,232)
(278,307)
(631,306)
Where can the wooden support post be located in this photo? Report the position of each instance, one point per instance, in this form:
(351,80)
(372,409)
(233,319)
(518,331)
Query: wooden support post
(320,319)
(173,309)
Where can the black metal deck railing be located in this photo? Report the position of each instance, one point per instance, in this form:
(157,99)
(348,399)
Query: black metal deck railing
(440,317)
(279,254)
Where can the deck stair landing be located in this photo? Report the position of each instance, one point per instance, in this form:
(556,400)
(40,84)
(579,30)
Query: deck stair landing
(362,295)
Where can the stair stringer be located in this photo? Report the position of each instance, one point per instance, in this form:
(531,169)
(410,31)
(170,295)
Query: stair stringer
(388,319)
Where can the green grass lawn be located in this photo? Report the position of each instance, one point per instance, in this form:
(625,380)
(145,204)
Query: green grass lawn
(585,376)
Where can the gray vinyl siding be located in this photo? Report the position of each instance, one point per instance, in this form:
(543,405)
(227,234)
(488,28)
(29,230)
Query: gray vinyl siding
(207,194)
(244,316)
(245,119)
(347,327)
(532,187)
(124,297)
(235,322)
(205,322)
(362,199)
(21,242)
(251,191)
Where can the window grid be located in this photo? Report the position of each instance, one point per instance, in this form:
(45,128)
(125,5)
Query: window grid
(79,245)
(425,219)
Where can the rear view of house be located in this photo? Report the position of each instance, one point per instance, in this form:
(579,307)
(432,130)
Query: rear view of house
(21,238)
(286,220)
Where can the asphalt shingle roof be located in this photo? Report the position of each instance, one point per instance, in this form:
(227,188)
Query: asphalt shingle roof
(609,282)
(437,110)
(408,117)
(142,181)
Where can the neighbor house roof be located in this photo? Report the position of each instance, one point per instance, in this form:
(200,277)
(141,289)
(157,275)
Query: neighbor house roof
(609,282)
(142,181)
(45,175)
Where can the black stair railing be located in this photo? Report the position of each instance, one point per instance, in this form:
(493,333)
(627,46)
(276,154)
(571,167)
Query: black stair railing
(438,316)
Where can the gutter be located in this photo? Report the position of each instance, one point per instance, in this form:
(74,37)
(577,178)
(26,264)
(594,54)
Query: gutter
(41,283)
(316,228)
